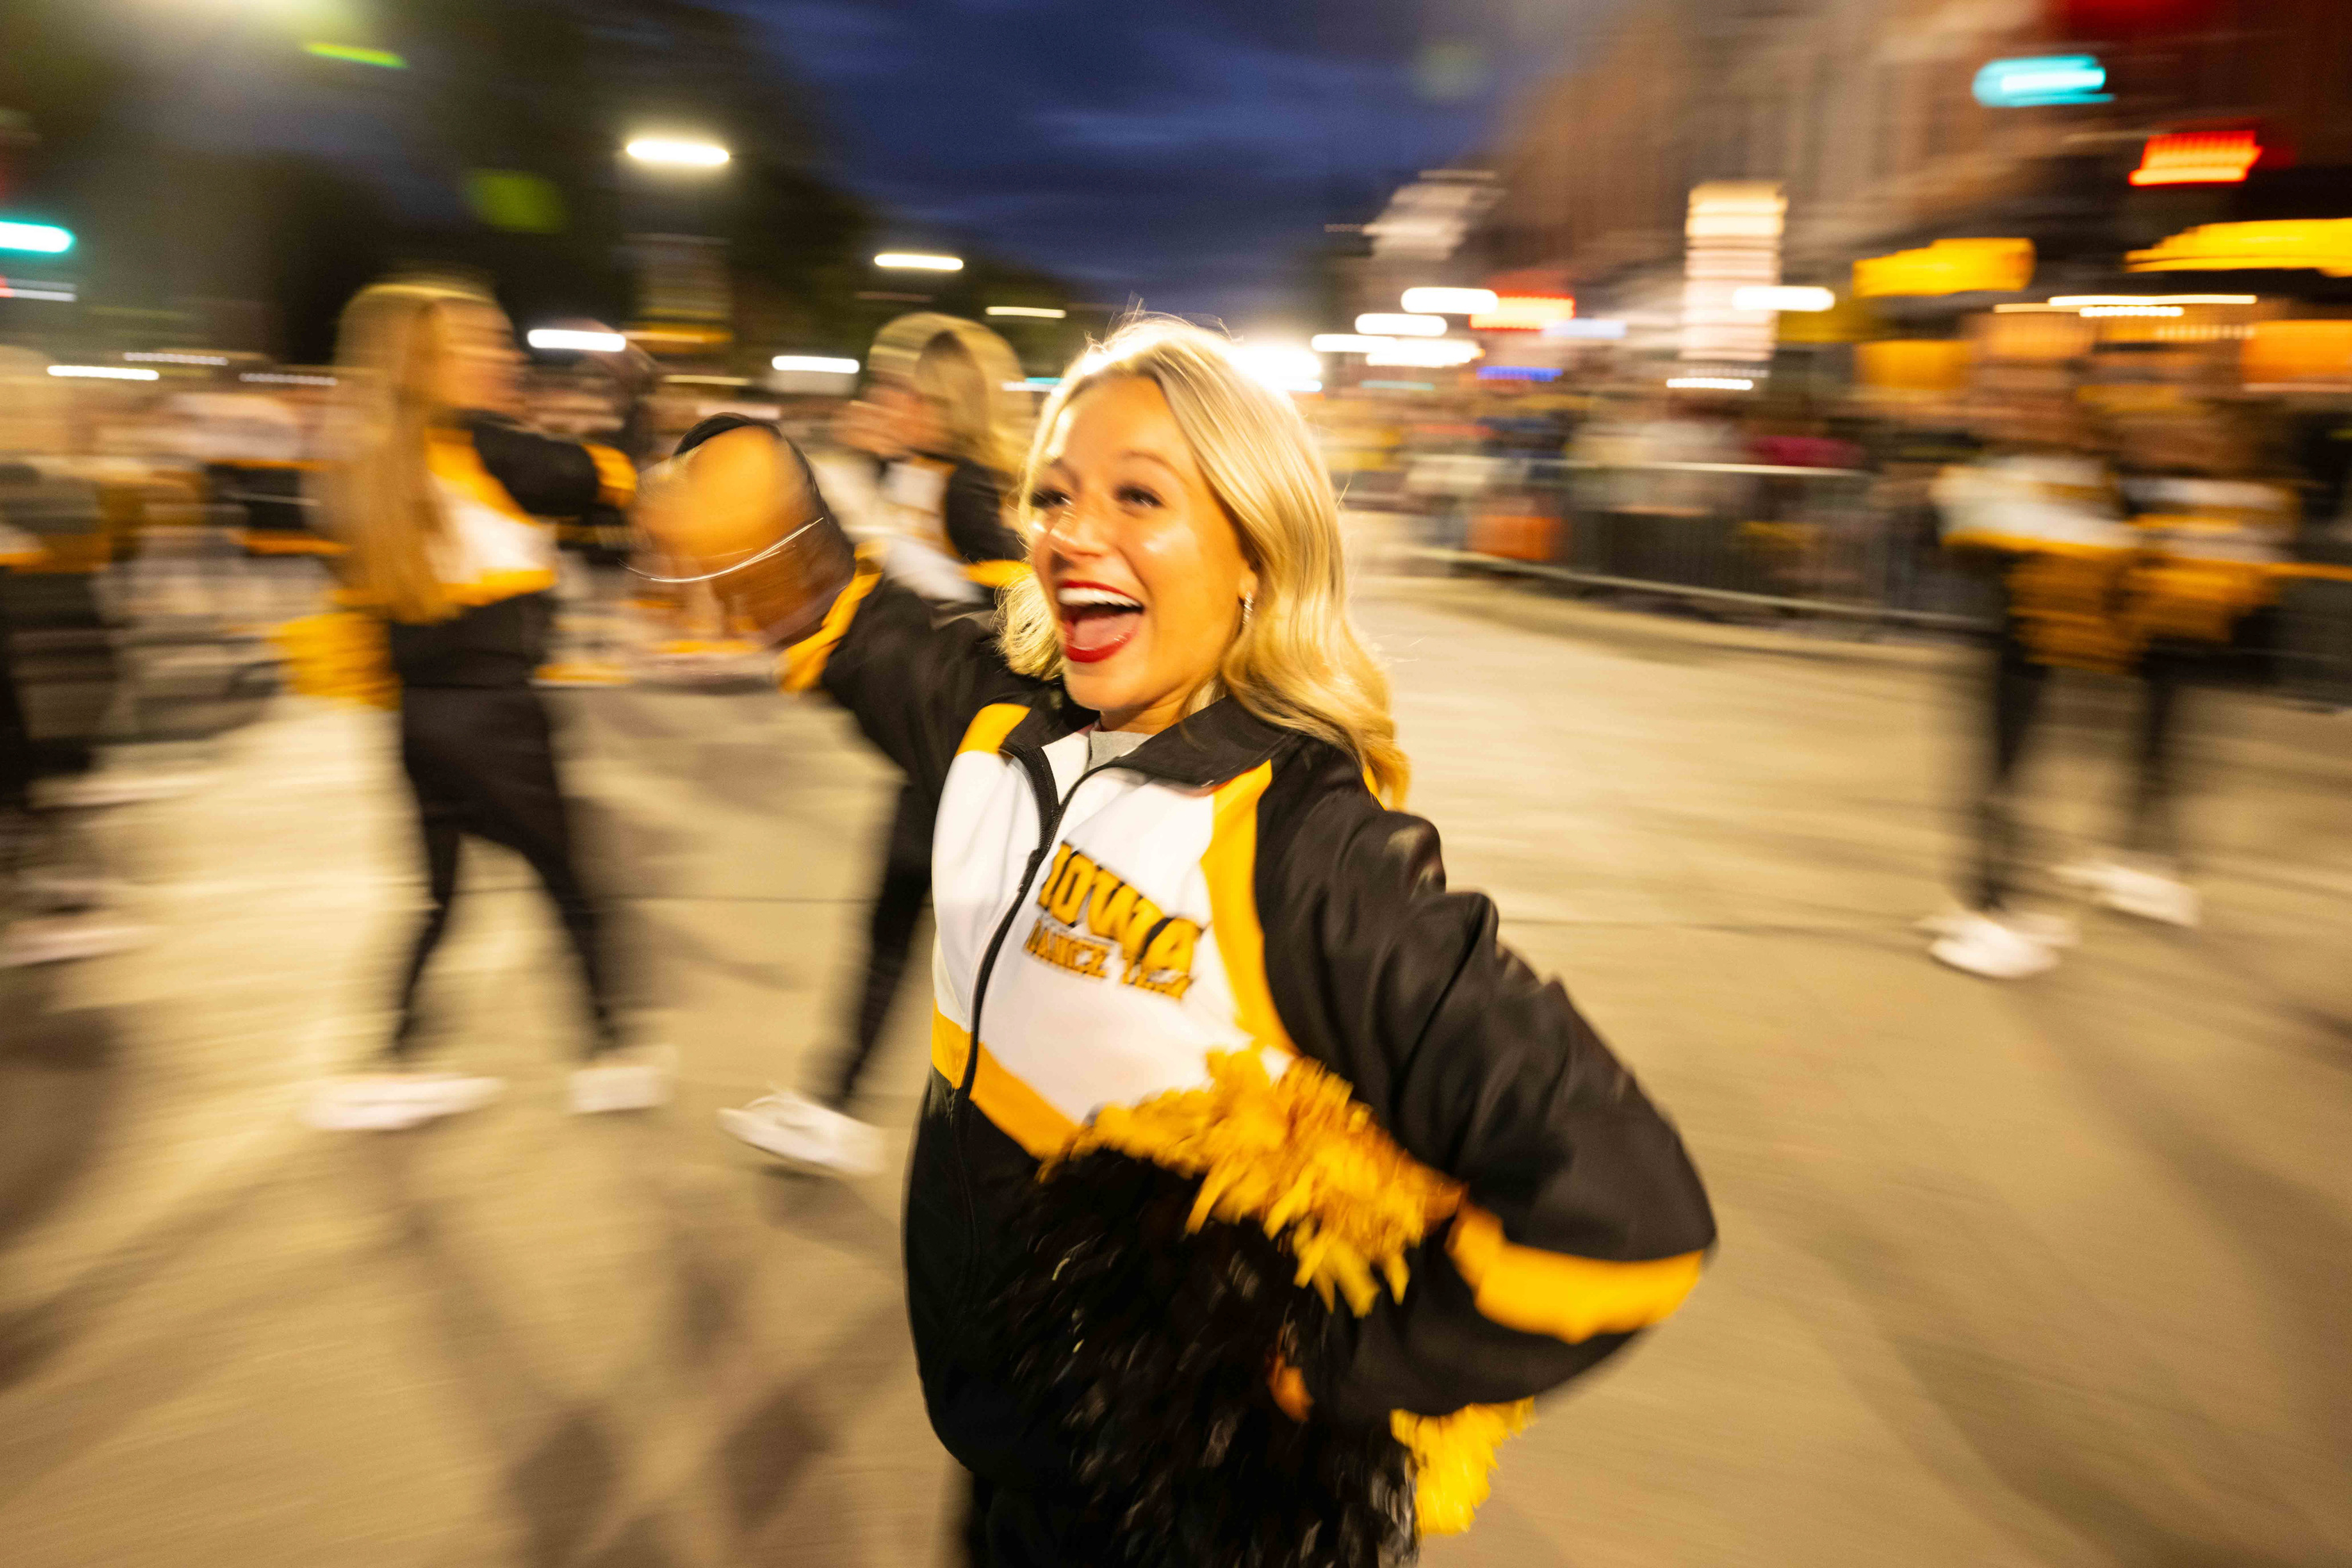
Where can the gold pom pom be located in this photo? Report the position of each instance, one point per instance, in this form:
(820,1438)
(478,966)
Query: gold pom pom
(1454,1459)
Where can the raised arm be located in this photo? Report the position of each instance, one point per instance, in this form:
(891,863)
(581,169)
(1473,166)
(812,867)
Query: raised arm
(739,508)
(1584,1221)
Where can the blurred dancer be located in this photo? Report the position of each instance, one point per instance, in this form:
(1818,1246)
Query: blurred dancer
(2042,507)
(2213,532)
(54,900)
(939,423)
(1247,1318)
(440,498)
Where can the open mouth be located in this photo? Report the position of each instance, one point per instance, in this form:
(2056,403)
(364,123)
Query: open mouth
(1096,622)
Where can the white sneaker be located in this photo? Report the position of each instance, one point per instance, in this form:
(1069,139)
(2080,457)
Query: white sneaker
(1995,949)
(388,1102)
(637,1077)
(2143,889)
(2051,930)
(796,1128)
(54,938)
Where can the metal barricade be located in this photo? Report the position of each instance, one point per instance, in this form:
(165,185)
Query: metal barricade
(1788,539)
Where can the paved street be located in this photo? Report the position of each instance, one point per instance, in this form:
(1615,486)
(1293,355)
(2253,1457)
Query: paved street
(2057,1273)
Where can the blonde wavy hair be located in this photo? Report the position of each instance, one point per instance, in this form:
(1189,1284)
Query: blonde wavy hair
(964,373)
(378,493)
(1297,659)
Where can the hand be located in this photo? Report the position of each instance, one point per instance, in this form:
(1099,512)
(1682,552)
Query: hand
(724,501)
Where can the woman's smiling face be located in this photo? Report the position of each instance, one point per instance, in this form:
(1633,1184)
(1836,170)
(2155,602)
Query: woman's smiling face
(1144,569)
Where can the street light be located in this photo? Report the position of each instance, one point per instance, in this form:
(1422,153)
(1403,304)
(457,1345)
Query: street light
(584,342)
(820,363)
(675,153)
(41,238)
(105,372)
(919,262)
(1800,298)
(1449,301)
(1388,324)
(1042,312)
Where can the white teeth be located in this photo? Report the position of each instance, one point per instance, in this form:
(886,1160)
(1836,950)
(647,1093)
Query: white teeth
(1072,598)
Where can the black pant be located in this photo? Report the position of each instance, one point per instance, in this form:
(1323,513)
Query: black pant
(2015,698)
(889,937)
(481,760)
(2013,701)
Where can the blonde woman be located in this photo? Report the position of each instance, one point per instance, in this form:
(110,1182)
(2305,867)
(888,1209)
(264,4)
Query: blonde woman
(939,418)
(442,502)
(1336,1179)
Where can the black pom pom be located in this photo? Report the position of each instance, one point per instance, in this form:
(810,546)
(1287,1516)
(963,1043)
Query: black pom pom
(1150,1348)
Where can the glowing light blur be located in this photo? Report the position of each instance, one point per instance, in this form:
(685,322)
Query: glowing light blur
(352,54)
(1282,366)
(287,378)
(2200,158)
(919,262)
(2076,301)
(585,343)
(677,153)
(1604,329)
(1948,267)
(1430,355)
(2041,81)
(1435,301)
(176,356)
(823,364)
(1783,297)
(105,373)
(1524,313)
(2130,311)
(1710,384)
(2322,245)
(63,294)
(41,238)
(1042,312)
(1389,324)
(1348,344)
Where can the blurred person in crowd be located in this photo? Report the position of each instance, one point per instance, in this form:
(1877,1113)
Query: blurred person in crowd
(440,497)
(2213,527)
(940,424)
(1167,869)
(54,901)
(2040,508)
(601,397)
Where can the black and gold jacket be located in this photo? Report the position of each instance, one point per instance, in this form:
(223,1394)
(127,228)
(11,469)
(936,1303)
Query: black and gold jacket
(1455,1196)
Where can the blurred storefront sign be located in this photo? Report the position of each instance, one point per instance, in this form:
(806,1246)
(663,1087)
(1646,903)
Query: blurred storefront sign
(2319,245)
(2197,158)
(1524,313)
(1732,241)
(2042,82)
(2304,356)
(1948,267)
(1913,367)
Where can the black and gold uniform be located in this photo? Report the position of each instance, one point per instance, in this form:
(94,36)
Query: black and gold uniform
(475,737)
(1338,1180)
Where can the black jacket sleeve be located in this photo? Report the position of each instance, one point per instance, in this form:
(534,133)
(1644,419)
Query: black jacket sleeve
(548,476)
(913,674)
(973,517)
(1585,1220)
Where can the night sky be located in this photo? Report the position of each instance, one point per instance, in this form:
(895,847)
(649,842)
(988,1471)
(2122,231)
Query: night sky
(1184,153)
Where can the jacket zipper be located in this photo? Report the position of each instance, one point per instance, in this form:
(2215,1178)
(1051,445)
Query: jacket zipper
(1051,809)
